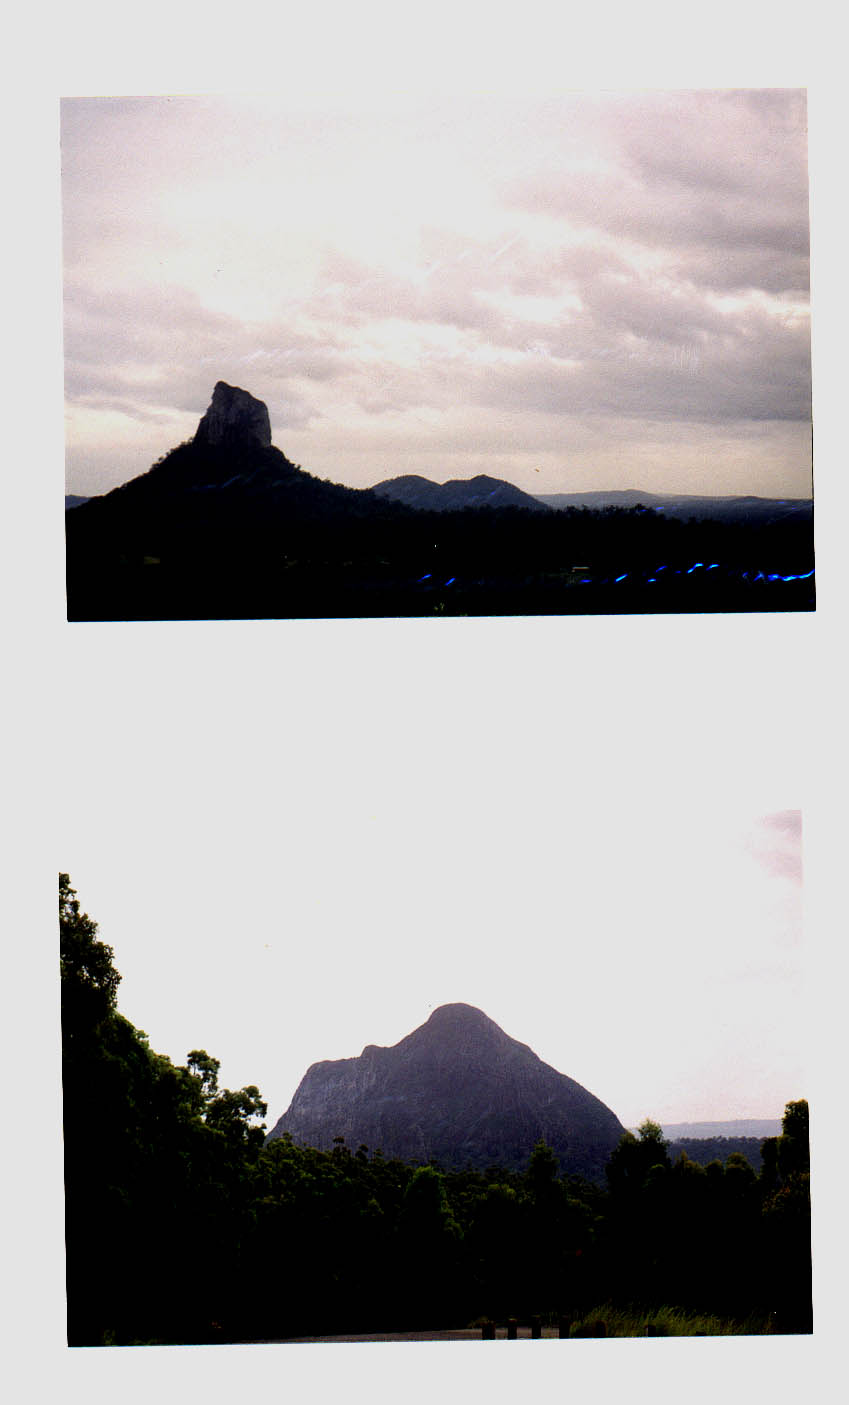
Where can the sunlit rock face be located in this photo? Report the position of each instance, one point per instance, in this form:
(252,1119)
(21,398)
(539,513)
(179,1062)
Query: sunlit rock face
(234,420)
(458,1090)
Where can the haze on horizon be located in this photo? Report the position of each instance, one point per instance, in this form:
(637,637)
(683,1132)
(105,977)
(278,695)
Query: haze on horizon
(589,291)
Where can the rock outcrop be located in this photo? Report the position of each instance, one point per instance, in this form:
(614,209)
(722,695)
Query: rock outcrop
(234,420)
(458,1090)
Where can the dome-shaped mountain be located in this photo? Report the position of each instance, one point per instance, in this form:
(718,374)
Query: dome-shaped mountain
(457,494)
(457,1090)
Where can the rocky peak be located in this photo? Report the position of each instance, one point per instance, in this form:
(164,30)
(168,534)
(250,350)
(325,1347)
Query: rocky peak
(460,1023)
(234,420)
(457,1089)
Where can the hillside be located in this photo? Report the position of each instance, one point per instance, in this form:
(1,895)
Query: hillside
(456,494)
(457,1090)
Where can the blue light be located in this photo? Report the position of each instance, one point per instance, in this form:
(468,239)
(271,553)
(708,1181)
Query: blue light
(714,566)
(695,567)
(452,580)
(652,580)
(620,578)
(423,578)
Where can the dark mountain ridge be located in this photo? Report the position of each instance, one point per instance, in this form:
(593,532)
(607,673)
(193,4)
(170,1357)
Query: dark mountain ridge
(457,1090)
(686,506)
(225,526)
(229,467)
(735,1127)
(456,494)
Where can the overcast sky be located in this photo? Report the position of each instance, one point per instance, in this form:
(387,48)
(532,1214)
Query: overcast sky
(291,864)
(583,291)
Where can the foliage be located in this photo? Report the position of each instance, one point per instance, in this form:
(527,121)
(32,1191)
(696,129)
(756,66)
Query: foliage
(631,1321)
(183,1224)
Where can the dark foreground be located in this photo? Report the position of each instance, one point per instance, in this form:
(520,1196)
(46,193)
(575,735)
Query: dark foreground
(130,559)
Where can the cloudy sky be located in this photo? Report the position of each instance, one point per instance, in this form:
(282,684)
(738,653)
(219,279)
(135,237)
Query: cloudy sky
(291,864)
(590,290)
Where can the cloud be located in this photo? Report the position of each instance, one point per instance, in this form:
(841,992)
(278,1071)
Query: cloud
(630,259)
(684,169)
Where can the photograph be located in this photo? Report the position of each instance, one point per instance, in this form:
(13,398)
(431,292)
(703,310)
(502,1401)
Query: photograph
(470,355)
(417,988)
(415,1044)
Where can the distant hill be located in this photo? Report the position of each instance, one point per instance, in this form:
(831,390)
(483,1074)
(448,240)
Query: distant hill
(684,506)
(703,1150)
(458,1090)
(739,1127)
(74,500)
(456,494)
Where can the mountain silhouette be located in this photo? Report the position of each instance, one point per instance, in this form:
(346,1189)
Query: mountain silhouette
(457,1090)
(456,494)
(745,509)
(225,526)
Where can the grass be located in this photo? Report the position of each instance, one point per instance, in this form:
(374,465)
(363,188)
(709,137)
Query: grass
(608,1321)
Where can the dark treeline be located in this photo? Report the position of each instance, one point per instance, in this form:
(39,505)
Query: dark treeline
(182,1225)
(707,1149)
(163,547)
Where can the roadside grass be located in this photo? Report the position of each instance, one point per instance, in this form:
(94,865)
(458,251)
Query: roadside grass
(608,1321)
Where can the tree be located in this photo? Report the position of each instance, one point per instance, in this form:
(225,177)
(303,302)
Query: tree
(632,1160)
(159,1165)
(786,1188)
(89,981)
(204,1067)
(794,1153)
(543,1170)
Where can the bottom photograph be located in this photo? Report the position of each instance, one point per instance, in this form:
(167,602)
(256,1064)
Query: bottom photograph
(600,1146)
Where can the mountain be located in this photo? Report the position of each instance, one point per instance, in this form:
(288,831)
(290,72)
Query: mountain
(228,474)
(684,506)
(457,1090)
(456,494)
(235,419)
(225,526)
(73,500)
(739,1127)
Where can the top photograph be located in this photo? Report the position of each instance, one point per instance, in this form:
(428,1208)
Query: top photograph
(477,357)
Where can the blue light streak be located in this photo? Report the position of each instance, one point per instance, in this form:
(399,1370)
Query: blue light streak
(751,576)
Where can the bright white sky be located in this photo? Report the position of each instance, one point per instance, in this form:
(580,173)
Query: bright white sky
(291,864)
(572,291)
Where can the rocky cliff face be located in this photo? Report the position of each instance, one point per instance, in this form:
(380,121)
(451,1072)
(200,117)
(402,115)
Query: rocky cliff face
(234,420)
(458,1090)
